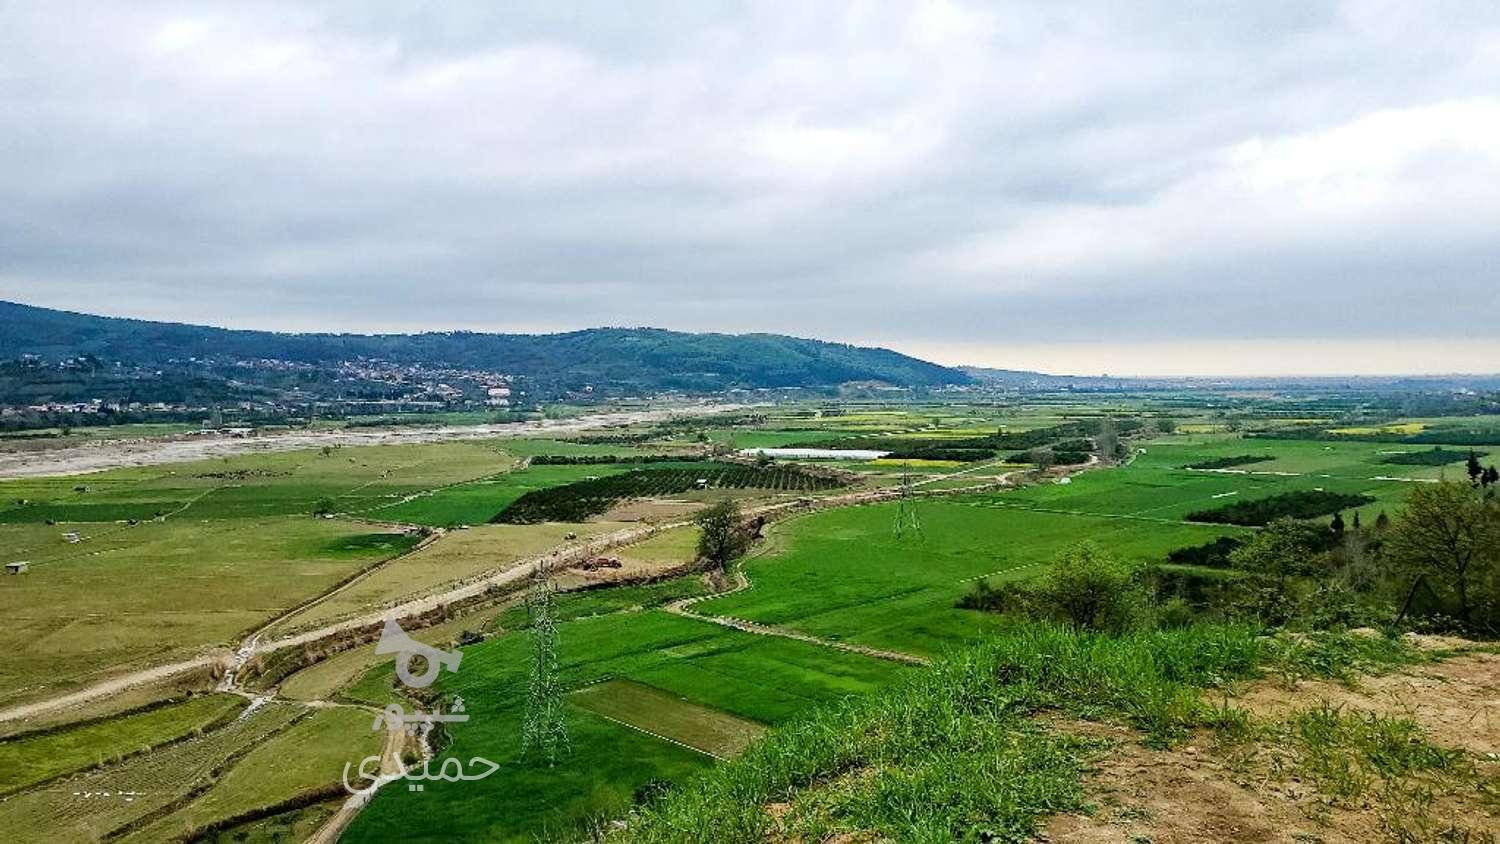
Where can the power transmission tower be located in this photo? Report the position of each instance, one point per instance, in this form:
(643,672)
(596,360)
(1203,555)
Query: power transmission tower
(907,520)
(545,730)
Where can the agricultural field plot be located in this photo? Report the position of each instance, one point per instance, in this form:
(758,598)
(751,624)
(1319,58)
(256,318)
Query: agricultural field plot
(253,485)
(30,759)
(668,716)
(842,574)
(571,448)
(756,678)
(293,825)
(116,599)
(477,502)
(459,555)
(666,548)
(577,502)
(328,678)
(76,808)
(617,599)
(307,756)
(1342,460)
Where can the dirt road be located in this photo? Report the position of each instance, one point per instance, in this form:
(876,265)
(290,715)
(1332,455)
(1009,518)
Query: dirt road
(115,454)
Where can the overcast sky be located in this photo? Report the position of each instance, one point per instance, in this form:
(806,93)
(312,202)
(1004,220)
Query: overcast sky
(1151,188)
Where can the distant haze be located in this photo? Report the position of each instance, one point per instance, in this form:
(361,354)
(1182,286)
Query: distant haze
(1261,187)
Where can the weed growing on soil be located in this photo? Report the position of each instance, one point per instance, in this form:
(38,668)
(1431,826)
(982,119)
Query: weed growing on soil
(1358,759)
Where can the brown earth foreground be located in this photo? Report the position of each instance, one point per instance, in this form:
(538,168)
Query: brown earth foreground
(1255,791)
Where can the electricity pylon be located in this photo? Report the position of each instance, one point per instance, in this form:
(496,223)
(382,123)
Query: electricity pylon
(545,730)
(907,520)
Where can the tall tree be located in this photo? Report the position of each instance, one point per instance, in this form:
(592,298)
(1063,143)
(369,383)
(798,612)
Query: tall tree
(1108,440)
(1445,531)
(722,537)
(1475,470)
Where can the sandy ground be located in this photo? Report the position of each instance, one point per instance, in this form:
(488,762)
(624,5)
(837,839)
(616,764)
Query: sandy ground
(115,454)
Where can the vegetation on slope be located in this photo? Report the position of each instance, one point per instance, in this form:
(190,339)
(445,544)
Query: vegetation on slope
(643,358)
(954,753)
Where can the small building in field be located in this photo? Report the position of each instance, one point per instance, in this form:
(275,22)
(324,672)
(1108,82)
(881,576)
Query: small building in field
(17,568)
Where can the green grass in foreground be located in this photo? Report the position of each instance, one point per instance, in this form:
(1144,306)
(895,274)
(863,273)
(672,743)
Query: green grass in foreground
(953,754)
(26,760)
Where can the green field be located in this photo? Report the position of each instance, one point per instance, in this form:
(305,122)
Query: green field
(26,760)
(162,591)
(252,485)
(152,782)
(668,716)
(754,678)
(477,502)
(310,754)
(220,547)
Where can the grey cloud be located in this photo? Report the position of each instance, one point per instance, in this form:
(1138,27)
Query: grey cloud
(897,173)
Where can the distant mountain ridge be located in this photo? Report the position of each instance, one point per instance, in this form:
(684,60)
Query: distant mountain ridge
(644,359)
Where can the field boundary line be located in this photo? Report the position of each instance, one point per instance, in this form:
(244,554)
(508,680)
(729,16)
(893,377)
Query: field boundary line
(645,731)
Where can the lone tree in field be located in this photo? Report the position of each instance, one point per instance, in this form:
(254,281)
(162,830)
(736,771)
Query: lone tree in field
(722,538)
(545,730)
(1475,470)
(1448,532)
(1108,440)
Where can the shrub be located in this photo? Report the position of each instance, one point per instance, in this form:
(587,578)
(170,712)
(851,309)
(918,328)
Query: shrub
(1213,554)
(1086,589)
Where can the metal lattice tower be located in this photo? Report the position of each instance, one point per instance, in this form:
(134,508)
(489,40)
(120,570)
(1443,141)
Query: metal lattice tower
(545,730)
(908,523)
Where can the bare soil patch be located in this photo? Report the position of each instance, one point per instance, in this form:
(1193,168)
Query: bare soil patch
(1456,701)
(1256,792)
(650,510)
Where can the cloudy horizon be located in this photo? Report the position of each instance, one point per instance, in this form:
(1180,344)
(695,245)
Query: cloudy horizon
(1272,188)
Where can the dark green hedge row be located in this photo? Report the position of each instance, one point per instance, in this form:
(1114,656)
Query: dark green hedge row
(1304,504)
(1228,462)
(1435,457)
(603,459)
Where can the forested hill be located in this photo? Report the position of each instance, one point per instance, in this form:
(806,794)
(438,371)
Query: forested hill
(641,358)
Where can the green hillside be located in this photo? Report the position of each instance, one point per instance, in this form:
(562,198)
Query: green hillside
(645,359)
